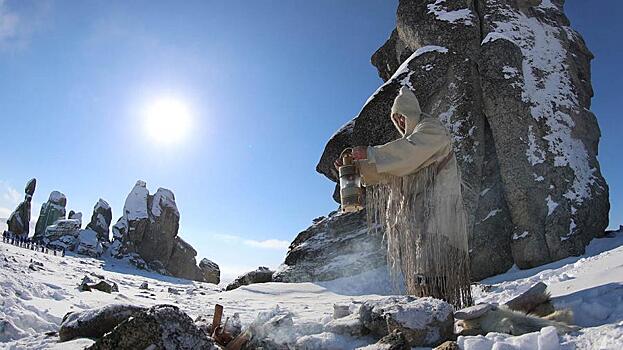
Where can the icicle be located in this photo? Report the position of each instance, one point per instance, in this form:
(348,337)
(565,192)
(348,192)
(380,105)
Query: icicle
(425,229)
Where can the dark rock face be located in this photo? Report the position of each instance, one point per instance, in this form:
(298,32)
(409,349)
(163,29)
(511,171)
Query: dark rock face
(210,270)
(261,275)
(147,234)
(511,81)
(161,327)
(336,246)
(100,220)
(97,322)
(19,221)
(51,211)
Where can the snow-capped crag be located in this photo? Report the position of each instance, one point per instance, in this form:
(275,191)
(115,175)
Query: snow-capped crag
(511,81)
(147,235)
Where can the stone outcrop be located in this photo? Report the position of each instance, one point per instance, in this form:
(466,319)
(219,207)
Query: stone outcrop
(260,275)
(333,247)
(19,221)
(63,234)
(51,211)
(159,327)
(95,323)
(101,220)
(422,321)
(210,270)
(511,81)
(147,234)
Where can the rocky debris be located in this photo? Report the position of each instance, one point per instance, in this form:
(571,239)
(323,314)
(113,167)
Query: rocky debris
(63,234)
(147,235)
(395,322)
(336,246)
(261,275)
(51,211)
(350,325)
(534,301)
(19,221)
(160,327)
(448,345)
(422,321)
(535,192)
(144,286)
(75,216)
(100,220)
(211,271)
(393,341)
(88,244)
(96,322)
(341,310)
(88,285)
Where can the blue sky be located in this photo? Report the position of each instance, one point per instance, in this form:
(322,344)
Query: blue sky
(266,83)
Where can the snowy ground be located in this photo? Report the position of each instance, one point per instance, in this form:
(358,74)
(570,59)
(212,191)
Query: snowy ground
(34,302)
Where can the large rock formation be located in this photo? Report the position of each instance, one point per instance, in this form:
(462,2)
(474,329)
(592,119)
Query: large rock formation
(511,81)
(146,234)
(100,220)
(51,211)
(333,247)
(19,221)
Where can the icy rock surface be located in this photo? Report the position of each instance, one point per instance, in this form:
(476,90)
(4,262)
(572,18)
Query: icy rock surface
(260,275)
(423,321)
(147,235)
(511,81)
(333,247)
(160,327)
(94,323)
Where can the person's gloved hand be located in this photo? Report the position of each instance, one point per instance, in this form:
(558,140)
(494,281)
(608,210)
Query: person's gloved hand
(358,153)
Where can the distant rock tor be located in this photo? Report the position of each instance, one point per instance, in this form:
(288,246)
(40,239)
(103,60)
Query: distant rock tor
(511,81)
(19,221)
(147,235)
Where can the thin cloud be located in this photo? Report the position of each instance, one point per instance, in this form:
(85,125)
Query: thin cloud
(268,244)
(274,244)
(16,28)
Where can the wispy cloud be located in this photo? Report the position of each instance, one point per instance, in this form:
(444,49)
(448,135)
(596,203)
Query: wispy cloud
(274,244)
(268,244)
(9,23)
(17,26)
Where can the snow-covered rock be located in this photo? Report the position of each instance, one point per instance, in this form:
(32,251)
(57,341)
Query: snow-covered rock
(260,275)
(100,220)
(335,246)
(513,87)
(161,327)
(75,216)
(210,270)
(63,233)
(94,323)
(423,321)
(88,244)
(147,234)
(51,211)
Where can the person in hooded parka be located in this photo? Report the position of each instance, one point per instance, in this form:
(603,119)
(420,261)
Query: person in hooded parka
(413,194)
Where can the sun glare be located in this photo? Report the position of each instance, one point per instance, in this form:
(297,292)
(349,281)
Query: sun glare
(167,120)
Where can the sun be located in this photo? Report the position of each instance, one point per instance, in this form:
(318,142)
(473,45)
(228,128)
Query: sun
(167,120)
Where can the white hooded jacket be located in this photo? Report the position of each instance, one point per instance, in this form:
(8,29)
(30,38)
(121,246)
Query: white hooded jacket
(413,190)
